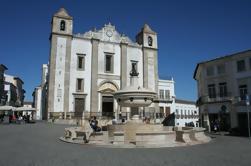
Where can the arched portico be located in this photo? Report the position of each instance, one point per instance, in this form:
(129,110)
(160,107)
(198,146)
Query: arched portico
(108,105)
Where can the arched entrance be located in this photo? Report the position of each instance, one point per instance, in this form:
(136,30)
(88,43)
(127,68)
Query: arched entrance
(106,89)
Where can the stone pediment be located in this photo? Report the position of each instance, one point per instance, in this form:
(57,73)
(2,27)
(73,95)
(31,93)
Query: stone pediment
(108,34)
(107,88)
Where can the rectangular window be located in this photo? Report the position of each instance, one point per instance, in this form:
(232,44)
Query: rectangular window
(81,61)
(241,66)
(167,94)
(80,85)
(223,89)
(211,91)
(177,114)
(221,69)
(161,110)
(243,91)
(161,94)
(108,63)
(210,71)
(134,67)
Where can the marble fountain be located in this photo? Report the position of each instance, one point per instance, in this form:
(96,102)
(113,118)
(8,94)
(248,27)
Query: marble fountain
(134,133)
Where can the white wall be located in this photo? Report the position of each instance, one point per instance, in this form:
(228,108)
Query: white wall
(9,78)
(167,85)
(190,109)
(112,48)
(151,71)
(59,78)
(38,101)
(80,46)
(135,54)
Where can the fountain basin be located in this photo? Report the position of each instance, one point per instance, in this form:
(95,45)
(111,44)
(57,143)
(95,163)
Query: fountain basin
(132,97)
(134,135)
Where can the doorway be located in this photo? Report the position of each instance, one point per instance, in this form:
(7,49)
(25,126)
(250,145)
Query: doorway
(107,106)
(79,106)
(134,111)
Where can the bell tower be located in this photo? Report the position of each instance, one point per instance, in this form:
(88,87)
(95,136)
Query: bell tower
(59,65)
(61,23)
(148,39)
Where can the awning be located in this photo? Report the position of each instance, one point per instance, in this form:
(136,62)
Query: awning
(17,109)
(6,108)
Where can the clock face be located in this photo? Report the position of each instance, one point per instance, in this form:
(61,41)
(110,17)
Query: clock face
(109,33)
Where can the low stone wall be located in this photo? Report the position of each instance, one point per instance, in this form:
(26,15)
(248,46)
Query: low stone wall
(99,137)
(73,132)
(147,138)
(183,136)
(135,135)
(118,138)
(190,135)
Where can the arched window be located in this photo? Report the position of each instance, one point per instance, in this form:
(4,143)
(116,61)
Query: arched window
(62,25)
(150,41)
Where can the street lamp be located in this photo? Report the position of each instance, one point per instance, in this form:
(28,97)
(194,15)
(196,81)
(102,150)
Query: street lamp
(247,104)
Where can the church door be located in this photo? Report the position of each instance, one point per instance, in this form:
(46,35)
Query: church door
(79,106)
(107,106)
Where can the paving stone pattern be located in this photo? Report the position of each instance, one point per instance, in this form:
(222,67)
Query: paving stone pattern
(38,145)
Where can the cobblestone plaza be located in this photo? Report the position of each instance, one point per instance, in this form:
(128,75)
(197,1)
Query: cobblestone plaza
(38,144)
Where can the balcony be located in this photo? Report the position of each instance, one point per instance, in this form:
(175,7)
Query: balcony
(235,100)
(167,99)
(218,98)
(240,100)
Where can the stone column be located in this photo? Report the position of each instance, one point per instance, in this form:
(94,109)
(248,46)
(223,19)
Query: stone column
(123,71)
(51,81)
(123,63)
(145,68)
(94,76)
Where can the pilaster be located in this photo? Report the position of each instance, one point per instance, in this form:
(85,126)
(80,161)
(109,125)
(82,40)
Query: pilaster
(67,75)
(52,68)
(94,76)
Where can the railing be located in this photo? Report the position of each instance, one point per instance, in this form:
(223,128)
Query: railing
(186,116)
(101,115)
(164,99)
(239,100)
(216,98)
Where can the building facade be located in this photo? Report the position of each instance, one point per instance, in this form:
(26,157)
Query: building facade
(178,112)
(3,95)
(223,84)
(13,87)
(86,69)
(40,95)
(166,97)
(186,113)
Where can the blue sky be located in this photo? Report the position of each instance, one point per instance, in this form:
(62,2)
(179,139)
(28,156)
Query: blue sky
(189,31)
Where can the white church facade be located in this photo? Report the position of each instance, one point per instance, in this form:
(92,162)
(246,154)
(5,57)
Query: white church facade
(86,69)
